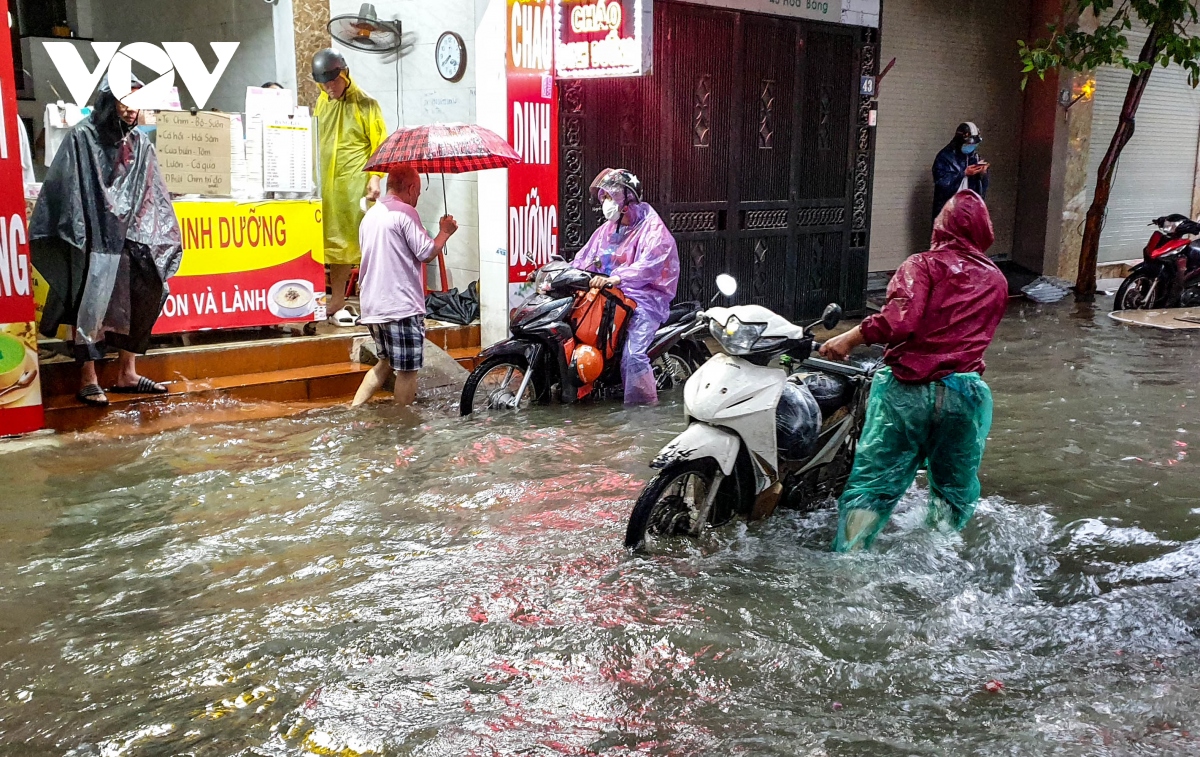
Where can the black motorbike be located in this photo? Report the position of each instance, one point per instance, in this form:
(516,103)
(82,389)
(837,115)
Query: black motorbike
(536,364)
(1169,274)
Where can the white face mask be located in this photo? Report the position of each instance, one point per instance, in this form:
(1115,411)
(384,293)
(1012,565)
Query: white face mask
(610,208)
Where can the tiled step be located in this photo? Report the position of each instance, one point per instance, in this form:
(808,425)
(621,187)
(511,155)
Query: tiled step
(451,337)
(240,358)
(210,362)
(467,357)
(188,400)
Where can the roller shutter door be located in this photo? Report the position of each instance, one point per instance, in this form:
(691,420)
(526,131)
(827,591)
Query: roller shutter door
(1157,170)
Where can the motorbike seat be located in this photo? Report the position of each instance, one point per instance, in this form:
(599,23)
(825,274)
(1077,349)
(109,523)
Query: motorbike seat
(681,310)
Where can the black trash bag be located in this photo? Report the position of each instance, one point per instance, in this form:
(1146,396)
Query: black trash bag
(797,422)
(454,306)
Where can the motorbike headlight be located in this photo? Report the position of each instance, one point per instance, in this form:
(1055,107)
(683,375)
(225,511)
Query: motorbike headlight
(735,337)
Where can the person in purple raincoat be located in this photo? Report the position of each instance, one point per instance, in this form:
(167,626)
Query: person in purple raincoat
(634,251)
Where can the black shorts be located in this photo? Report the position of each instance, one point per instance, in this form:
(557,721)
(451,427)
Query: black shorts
(401,343)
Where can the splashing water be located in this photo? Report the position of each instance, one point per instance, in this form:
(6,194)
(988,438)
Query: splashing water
(357,582)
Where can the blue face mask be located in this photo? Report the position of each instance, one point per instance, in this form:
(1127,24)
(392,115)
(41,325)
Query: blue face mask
(968,149)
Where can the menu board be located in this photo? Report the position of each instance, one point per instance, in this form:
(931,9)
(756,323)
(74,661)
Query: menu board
(195,152)
(287,154)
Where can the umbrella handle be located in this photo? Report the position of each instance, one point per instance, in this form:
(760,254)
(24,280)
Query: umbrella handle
(442,254)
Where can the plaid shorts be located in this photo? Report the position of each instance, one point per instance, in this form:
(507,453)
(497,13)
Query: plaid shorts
(401,343)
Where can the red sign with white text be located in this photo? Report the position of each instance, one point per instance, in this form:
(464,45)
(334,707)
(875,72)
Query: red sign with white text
(20,384)
(599,38)
(533,132)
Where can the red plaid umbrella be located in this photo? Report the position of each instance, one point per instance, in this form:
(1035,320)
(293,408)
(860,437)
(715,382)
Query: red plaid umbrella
(443,148)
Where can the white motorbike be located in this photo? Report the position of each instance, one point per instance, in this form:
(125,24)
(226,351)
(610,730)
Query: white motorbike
(758,435)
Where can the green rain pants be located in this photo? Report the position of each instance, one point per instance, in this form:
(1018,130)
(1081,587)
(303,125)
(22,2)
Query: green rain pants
(943,425)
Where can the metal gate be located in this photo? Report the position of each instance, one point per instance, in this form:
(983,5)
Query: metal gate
(752,142)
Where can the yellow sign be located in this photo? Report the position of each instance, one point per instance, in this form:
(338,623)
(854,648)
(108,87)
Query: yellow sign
(227,237)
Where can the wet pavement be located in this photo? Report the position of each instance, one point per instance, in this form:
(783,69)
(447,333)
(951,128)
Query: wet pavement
(373,582)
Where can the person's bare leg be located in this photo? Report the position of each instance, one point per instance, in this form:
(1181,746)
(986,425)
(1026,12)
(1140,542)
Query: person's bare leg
(339,278)
(406,387)
(87,374)
(126,368)
(127,374)
(372,382)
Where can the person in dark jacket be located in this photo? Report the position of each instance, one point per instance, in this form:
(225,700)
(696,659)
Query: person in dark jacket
(929,407)
(104,237)
(958,166)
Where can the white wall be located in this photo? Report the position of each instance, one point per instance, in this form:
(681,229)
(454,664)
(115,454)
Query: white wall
(425,97)
(492,106)
(199,23)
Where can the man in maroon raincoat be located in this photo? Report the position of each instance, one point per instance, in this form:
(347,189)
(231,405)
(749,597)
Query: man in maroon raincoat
(929,407)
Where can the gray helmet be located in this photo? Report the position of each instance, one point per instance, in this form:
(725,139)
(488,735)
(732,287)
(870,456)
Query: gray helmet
(613,180)
(968,133)
(327,64)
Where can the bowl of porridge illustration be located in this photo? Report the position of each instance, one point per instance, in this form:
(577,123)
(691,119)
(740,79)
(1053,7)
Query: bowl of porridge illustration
(292,298)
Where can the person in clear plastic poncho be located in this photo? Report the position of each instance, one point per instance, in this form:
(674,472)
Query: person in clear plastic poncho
(105,239)
(929,407)
(351,130)
(634,251)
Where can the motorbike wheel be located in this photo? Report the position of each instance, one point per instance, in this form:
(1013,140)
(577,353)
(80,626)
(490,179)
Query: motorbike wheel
(669,504)
(1139,292)
(677,366)
(825,484)
(494,385)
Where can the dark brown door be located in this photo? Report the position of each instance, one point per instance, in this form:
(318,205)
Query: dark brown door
(746,138)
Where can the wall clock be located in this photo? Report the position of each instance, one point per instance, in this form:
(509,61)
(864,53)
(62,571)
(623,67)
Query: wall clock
(451,55)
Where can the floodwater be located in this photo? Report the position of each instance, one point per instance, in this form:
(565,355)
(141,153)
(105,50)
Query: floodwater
(362,583)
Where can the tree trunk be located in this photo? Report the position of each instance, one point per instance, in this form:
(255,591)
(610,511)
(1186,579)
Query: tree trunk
(1085,280)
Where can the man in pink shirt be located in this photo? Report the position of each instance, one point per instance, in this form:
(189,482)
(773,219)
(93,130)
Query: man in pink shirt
(395,247)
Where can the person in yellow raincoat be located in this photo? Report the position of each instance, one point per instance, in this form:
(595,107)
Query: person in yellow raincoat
(351,130)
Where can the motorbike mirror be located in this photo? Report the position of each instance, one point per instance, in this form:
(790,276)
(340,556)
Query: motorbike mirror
(727,285)
(831,316)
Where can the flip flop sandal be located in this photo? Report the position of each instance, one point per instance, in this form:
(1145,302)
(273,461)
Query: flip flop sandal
(92,395)
(143,386)
(343,318)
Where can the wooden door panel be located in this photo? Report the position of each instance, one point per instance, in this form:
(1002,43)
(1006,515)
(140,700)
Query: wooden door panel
(699,103)
(761,266)
(701,260)
(828,111)
(768,108)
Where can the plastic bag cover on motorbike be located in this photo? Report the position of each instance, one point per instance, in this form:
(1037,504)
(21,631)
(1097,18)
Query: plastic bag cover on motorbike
(943,424)
(797,422)
(644,255)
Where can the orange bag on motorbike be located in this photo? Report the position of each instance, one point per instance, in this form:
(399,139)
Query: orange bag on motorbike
(598,319)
